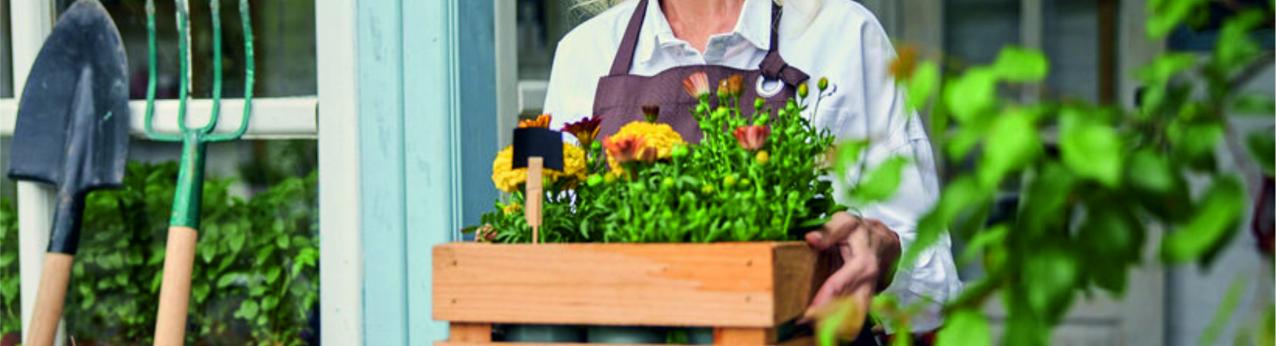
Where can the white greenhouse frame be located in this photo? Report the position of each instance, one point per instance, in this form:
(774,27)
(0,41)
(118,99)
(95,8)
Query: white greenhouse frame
(276,118)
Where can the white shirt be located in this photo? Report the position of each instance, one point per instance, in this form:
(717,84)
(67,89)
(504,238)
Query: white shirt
(838,39)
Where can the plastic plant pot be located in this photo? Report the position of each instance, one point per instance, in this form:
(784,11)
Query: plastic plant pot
(543,333)
(626,335)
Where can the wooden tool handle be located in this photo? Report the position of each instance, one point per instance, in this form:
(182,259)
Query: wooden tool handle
(179,257)
(49,300)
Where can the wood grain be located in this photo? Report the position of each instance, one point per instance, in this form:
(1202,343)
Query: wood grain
(470,332)
(49,299)
(742,336)
(710,285)
(175,287)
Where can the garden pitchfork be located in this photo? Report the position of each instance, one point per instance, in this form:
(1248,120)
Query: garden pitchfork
(170,323)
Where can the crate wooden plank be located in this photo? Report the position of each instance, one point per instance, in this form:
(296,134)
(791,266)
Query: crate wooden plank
(712,285)
(470,332)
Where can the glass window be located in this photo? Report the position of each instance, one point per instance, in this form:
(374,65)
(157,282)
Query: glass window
(284,67)
(6,52)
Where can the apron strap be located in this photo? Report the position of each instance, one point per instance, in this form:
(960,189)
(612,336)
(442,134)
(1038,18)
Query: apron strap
(773,65)
(625,56)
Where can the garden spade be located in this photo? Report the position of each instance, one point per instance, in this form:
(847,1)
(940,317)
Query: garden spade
(72,133)
(536,149)
(179,253)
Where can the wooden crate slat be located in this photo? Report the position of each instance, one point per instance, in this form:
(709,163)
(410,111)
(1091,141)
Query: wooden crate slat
(715,285)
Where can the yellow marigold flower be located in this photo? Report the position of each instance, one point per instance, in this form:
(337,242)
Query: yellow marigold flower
(508,179)
(660,137)
(512,208)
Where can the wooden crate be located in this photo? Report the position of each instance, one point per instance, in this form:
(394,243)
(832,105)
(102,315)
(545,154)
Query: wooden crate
(743,290)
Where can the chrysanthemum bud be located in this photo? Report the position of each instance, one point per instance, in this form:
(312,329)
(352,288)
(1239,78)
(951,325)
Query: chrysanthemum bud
(803,90)
(824,84)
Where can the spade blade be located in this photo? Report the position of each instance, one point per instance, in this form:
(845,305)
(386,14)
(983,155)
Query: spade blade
(73,117)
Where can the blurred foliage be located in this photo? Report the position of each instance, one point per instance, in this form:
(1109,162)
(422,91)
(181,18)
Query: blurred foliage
(256,263)
(1095,177)
(10,316)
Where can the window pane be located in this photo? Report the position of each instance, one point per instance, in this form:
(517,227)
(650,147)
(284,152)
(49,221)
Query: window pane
(284,46)
(975,30)
(6,52)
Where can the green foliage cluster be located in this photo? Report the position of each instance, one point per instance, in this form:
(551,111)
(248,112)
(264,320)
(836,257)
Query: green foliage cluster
(1085,210)
(712,191)
(256,263)
(10,316)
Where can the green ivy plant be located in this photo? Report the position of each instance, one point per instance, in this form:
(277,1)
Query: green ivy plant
(1085,205)
(256,269)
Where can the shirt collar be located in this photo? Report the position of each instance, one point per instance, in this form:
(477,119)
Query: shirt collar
(754,25)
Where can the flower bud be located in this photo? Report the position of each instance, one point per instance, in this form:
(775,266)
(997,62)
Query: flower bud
(823,84)
(667,183)
(594,180)
(758,103)
(763,157)
(679,151)
(729,180)
(803,90)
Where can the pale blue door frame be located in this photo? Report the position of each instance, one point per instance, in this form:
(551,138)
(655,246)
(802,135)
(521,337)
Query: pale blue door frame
(426,129)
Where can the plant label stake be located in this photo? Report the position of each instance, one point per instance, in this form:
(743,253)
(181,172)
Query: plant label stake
(536,149)
(72,133)
(170,323)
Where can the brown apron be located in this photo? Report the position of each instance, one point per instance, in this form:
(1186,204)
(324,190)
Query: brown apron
(620,96)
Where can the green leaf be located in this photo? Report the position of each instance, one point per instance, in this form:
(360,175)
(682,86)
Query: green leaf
(1212,225)
(1165,67)
(1224,313)
(247,310)
(237,240)
(991,237)
(972,96)
(228,279)
(1262,148)
(965,327)
(1112,240)
(1151,172)
(1260,104)
(1234,47)
(1051,274)
(922,85)
(1195,143)
(269,303)
(273,275)
(880,183)
(1165,15)
(1012,143)
(1091,150)
(200,292)
(957,196)
(1017,64)
(848,155)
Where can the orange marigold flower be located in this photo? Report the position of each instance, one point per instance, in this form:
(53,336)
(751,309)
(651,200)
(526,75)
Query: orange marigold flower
(752,137)
(585,130)
(626,149)
(541,121)
(696,84)
(904,64)
(735,85)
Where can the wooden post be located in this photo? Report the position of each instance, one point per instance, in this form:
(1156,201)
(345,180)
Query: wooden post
(535,171)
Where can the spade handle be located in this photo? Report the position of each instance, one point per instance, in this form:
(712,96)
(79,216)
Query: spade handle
(49,300)
(179,257)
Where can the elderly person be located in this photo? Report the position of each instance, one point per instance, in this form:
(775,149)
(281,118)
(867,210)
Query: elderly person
(637,52)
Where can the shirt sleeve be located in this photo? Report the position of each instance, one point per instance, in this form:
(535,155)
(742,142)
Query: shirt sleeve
(894,131)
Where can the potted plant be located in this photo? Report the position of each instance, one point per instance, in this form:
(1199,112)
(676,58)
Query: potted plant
(643,229)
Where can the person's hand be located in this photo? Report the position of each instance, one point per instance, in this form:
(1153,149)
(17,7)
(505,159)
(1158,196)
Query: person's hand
(868,251)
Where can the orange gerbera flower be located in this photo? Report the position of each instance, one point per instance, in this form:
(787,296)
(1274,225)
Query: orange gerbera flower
(752,137)
(541,121)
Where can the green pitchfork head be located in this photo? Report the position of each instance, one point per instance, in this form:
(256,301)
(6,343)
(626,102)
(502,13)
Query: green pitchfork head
(190,177)
(202,134)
